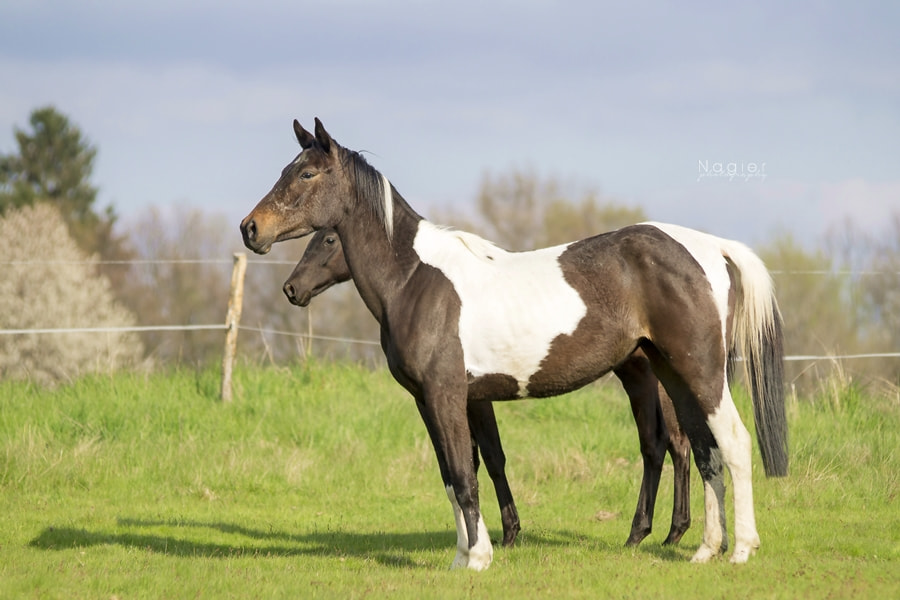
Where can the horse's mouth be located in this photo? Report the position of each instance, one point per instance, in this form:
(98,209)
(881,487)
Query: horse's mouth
(259,249)
(303,300)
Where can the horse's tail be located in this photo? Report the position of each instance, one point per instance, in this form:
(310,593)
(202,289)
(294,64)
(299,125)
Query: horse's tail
(759,338)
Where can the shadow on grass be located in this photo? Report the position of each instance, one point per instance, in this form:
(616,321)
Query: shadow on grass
(188,540)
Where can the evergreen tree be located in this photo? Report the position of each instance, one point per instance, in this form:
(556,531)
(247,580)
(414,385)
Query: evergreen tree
(54,164)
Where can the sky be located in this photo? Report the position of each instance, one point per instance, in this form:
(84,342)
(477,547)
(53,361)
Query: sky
(742,119)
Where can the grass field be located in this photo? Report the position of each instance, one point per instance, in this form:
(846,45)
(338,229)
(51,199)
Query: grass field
(319,481)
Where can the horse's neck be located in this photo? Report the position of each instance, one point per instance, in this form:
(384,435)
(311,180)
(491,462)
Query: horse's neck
(380,266)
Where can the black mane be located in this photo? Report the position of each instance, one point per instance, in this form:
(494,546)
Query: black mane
(369,183)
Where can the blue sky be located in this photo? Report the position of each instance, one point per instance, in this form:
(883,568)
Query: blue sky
(191,103)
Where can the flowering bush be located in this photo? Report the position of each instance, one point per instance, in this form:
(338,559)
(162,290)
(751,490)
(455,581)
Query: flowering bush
(47,282)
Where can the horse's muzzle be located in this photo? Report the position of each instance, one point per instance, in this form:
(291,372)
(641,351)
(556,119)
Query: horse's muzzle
(291,294)
(250,233)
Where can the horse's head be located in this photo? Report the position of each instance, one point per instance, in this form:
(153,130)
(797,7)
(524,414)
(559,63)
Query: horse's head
(301,201)
(322,265)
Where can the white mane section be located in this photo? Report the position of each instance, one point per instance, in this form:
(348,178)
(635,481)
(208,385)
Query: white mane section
(388,207)
(514,304)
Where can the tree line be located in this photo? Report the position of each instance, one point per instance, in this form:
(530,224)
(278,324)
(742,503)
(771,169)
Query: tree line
(842,297)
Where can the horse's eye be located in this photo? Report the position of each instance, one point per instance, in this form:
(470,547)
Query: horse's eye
(306,175)
(329,240)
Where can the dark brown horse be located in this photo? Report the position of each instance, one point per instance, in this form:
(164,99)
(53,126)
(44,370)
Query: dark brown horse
(463,320)
(323,265)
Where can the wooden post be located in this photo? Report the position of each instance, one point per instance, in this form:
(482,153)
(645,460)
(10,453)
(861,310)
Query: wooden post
(232,321)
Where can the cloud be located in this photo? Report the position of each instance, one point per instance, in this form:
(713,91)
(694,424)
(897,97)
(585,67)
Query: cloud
(869,204)
(188,100)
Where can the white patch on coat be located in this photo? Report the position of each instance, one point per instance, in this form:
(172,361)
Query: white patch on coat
(715,537)
(712,531)
(514,304)
(462,534)
(735,449)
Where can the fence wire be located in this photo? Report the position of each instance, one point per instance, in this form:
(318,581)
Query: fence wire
(223,327)
(328,338)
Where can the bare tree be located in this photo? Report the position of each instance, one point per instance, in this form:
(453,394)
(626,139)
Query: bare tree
(878,298)
(813,298)
(171,285)
(184,277)
(520,211)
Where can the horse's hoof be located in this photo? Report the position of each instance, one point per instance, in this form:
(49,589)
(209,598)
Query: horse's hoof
(703,555)
(472,562)
(674,537)
(479,564)
(742,553)
(637,536)
(509,537)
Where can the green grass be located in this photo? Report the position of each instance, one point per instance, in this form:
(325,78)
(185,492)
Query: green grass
(319,481)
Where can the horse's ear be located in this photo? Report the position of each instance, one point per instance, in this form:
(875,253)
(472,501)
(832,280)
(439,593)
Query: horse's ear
(323,136)
(305,138)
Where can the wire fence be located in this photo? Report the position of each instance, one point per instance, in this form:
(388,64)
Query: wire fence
(348,340)
(224,327)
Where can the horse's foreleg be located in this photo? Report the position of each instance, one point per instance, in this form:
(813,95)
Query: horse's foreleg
(483,425)
(680,450)
(445,418)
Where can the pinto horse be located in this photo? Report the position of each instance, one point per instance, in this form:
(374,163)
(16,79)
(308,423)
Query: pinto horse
(463,320)
(323,265)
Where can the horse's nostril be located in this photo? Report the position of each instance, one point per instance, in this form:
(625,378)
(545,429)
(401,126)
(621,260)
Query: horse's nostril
(289,291)
(251,230)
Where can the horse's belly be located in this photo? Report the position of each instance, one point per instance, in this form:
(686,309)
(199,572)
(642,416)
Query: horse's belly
(513,338)
(518,377)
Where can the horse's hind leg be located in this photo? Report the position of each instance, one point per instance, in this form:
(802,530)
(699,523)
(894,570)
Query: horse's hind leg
(708,458)
(641,386)
(694,419)
(735,445)
(483,425)
(679,448)
(730,447)
(718,439)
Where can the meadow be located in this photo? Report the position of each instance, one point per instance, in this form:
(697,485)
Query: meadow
(318,480)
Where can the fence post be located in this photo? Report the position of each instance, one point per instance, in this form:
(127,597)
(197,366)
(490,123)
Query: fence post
(232,321)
